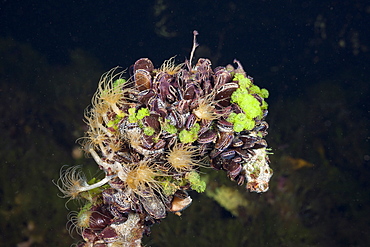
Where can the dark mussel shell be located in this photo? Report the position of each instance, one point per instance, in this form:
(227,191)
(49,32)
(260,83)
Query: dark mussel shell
(143,63)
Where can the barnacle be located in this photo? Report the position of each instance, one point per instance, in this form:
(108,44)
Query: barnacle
(79,220)
(115,145)
(72,224)
(112,96)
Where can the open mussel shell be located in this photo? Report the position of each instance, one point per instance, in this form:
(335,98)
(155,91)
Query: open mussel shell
(180,201)
(142,79)
(143,63)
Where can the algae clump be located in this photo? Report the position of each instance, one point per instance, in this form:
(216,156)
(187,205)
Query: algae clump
(251,106)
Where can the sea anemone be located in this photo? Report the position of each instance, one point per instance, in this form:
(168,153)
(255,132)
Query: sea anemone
(89,217)
(72,182)
(182,157)
(141,179)
(95,138)
(97,121)
(98,112)
(169,66)
(133,137)
(73,223)
(206,109)
(110,91)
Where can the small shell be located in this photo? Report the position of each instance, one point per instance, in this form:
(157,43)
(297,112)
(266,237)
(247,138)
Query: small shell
(144,63)
(214,153)
(203,65)
(109,235)
(237,159)
(243,153)
(160,144)
(237,142)
(118,199)
(183,106)
(222,76)
(190,121)
(248,141)
(224,93)
(229,154)
(207,137)
(225,126)
(152,121)
(154,206)
(234,171)
(176,119)
(145,95)
(98,220)
(215,162)
(224,140)
(189,92)
(178,204)
(88,235)
(260,144)
(142,79)
(262,126)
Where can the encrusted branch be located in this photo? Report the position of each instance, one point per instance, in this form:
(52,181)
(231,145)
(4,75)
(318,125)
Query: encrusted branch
(150,135)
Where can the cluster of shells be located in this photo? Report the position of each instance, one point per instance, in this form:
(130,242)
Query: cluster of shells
(152,132)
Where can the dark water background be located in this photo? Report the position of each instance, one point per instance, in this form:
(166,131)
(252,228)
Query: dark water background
(313,57)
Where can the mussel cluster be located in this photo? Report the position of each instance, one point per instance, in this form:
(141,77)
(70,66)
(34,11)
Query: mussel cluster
(152,132)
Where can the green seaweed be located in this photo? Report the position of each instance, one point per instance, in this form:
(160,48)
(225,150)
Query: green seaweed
(252,108)
(187,136)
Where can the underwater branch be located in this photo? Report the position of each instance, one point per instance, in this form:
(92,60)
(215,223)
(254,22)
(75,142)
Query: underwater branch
(152,133)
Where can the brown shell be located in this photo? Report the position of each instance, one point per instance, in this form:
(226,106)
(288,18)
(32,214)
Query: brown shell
(142,79)
(178,204)
(109,235)
(224,93)
(145,64)
(207,137)
(154,206)
(224,140)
